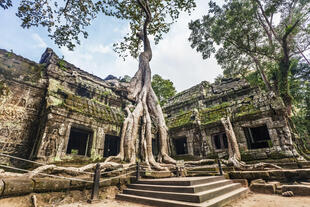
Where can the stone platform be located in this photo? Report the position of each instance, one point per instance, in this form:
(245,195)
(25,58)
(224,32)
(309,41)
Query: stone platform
(183,192)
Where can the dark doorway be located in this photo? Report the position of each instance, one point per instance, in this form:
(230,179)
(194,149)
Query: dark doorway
(155,150)
(111,145)
(181,146)
(80,142)
(257,137)
(220,141)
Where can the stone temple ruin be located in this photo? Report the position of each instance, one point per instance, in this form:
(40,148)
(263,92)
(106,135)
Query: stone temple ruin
(193,118)
(55,111)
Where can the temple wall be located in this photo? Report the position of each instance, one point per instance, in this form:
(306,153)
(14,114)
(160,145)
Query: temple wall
(251,111)
(22,89)
(40,105)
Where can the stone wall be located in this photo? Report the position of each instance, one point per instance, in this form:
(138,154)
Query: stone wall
(195,114)
(41,103)
(22,90)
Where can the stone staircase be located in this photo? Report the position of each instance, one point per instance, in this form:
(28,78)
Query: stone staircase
(183,192)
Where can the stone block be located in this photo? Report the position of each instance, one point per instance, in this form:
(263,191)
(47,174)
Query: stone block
(157,174)
(17,186)
(298,190)
(243,182)
(50,185)
(276,175)
(291,175)
(303,174)
(266,188)
(235,175)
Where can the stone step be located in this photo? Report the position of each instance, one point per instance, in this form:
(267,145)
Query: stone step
(215,202)
(180,181)
(187,197)
(181,189)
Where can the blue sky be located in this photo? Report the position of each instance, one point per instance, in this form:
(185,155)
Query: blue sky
(173,57)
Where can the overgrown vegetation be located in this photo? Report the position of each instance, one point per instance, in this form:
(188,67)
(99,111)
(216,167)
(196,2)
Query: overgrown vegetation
(164,89)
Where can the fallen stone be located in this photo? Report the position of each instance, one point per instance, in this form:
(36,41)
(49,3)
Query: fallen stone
(288,194)
(298,190)
(263,188)
(243,182)
(157,174)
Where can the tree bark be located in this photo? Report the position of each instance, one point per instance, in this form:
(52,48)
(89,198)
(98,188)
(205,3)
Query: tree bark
(234,156)
(146,106)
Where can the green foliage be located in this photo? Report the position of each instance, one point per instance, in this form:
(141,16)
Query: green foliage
(247,43)
(66,21)
(164,89)
(300,90)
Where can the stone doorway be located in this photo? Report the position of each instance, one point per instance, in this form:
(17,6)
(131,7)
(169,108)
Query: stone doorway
(181,146)
(111,145)
(257,137)
(80,142)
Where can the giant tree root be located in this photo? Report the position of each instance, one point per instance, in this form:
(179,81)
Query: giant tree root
(243,166)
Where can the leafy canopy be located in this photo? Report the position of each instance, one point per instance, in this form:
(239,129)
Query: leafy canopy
(252,34)
(66,21)
(164,89)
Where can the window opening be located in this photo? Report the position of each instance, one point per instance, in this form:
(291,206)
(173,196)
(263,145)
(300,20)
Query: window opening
(111,145)
(181,146)
(79,142)
(220,141)
(257,137)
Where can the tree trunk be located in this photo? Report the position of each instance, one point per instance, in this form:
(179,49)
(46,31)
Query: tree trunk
(146,106)
(234,156)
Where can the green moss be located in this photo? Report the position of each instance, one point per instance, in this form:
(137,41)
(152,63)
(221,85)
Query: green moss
(246,109)
(106,93)
(247,156)
(214,113)
(62,65)
(277,155)
(182,119)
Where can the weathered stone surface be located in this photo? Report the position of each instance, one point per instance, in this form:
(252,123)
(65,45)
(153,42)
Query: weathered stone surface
(49,184)
(250,107)
(243,182)
(157,174)
(17,186)
(299,190)
(266,188)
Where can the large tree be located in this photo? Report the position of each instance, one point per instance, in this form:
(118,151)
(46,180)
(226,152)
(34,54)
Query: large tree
(66,22)
(265,36)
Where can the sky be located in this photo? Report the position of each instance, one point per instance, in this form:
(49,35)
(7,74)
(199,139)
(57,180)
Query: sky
(173,58)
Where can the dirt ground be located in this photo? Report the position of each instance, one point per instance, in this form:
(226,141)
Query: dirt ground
(78,198)
(265,200)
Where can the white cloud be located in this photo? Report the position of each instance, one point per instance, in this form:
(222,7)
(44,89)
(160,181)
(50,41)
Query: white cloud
(173,58)
(39,40)
(100,48)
